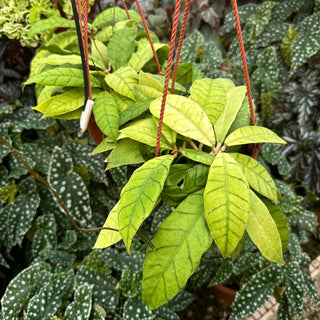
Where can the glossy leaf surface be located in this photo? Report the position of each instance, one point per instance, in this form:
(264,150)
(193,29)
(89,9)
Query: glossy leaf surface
(226,202)
(140,195)
(198,156)
(185,117)
(183,234)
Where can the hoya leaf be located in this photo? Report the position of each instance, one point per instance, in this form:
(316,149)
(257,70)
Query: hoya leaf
(135,309)
(45,304)
(234,99)
(186,117)
(169,134)
(226,202)
(210,95)
(100,51)
(82,304)
(106,114)
(64,103)
(140,195)
(295,287)
(63,77)
(188,73)
(198,156)
(263,230)
(145,131)
(252,134)
(21,287)
(281,222)
(255,293)
(145,79)
(107,238)
(130,283)
(69,186)
(180,242)
(120,47)
(76,114)
(307,41)
(123,81)
(144,54)
(127,151)
(134,110)
(63,39)
(223,273)
(113,15)
(46,93)
(243,117)
(122,101)
(257,176)
(51,23)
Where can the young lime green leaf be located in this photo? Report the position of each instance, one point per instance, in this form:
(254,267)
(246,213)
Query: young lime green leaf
(134,110)
(76,114)
(107,238)
(145,92)
(140,194)
(106,114)
(263,230)
(121,46)
(100,51)
(64,77)
(198,156)
(123,81)
(62,103)
(122,101)
(252,134)
(210,95)
(257,176)
(127,151)
(145,131)
(235,97)
(226,202)
(168,133)
(105,145)
(46,93)
(186,117)
(145,79)
(144,54)
(281,221)
(180,242)
(50,24)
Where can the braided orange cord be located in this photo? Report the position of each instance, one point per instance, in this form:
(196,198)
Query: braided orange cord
(126,8)
(149,36)
(182,32)
(168,71)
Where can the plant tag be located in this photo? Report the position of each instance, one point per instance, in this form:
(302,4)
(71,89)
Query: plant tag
(85,116)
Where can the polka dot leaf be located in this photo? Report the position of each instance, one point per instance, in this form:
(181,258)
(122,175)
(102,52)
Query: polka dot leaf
(135,309)
(130,283)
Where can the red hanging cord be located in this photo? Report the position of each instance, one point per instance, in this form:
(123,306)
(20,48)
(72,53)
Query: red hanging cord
(149,36)
(168,71)
(126,8)
(182,32)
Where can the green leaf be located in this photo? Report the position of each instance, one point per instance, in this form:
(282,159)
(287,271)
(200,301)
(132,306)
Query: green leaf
(263,230)
(145,131)
(257,176)
(146,79)
(185,117)
(169,134)
(235,97)
(52,23)
(281,222)
(21,287)
(123,81)
(188,73)
(198,156)
(146,92)
(100,51)
(63,77)
(180,242)
(127,151)
(45,304)
(122,101)
(140,195)
(226,202)
(223,273)
(105,145)
(252,134)
(107,238)
(135,309)
(255,293)
(8,193)
(130,283)
(120,47)
(106,114)
(294,286)
(82,304)
(243,117)
(210,95)
(307,41)
(263,15)
(134,110)
(286,44)
(144,54)
(62,104)
(113,15)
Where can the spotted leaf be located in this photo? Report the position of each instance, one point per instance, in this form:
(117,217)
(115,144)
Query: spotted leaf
(180,242)
(140,195)
(226,202)
(130,283)
(135,309)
